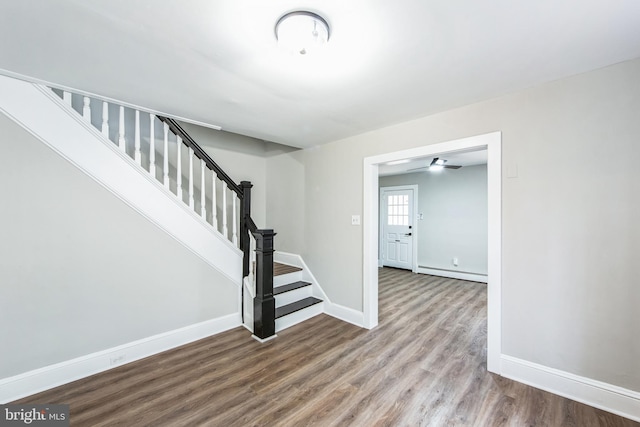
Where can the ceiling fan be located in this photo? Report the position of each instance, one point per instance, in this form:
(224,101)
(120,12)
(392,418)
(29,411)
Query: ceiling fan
(437,164)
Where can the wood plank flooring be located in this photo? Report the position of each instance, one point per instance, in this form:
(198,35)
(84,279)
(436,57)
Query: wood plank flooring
(424,365)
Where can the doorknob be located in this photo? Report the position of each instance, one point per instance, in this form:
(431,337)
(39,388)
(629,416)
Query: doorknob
(408,234)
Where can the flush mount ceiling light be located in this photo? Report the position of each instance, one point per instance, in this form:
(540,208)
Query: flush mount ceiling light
(302,31)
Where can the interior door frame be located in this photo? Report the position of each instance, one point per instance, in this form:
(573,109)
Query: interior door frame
(414,227)
(493,143)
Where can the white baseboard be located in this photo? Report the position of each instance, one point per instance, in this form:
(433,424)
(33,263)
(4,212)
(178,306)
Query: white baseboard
(262,341)
(453,274)
(41,379)
(345,314)
(607,397)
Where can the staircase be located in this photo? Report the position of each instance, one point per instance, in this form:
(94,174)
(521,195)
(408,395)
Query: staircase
(294,297)
(152,164)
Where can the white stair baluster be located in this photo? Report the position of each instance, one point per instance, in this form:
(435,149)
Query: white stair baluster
(225,230)
(86,109)
(105,119)
(234,228)
(121,141)
(152,146)
(203,201)
(165,168)
(192,202)
(253,264)
(214,201)
(66,97)
(179,167)
(137,155)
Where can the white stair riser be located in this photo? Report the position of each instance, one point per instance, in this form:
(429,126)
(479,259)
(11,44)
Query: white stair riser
(284,279)
(292,296)
(299,316)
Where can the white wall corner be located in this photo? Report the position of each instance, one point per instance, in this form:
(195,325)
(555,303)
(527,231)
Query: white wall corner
(345,314)
(41,379)
(608,397)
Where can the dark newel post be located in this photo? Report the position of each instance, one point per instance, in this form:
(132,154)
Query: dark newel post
(245,212)
(264,305)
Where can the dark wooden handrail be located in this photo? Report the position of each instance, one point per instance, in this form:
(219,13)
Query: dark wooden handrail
(251,225)
(189,142)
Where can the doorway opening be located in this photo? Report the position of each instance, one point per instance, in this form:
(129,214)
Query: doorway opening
(492,143)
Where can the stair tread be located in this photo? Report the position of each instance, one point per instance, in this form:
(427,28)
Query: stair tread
(296,306)
(280,269)
(290,287)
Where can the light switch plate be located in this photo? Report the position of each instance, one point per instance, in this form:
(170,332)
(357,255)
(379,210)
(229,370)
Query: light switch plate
(355,219)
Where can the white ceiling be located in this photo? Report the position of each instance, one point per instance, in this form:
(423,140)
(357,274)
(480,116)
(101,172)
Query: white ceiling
(217,62)
(461,158)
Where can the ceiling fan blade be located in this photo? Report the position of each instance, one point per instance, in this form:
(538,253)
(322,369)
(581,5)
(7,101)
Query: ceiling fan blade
(415,169)
(433,162)
(452,166)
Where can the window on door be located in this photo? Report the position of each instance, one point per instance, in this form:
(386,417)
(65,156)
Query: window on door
(398,210)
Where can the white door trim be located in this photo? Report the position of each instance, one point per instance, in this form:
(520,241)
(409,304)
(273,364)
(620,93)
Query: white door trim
(493,143)
(414,240)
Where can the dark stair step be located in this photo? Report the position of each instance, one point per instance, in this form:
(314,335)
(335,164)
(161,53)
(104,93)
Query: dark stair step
(289,287)
(295,306)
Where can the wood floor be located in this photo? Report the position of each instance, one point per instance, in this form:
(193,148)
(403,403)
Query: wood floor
(423,365)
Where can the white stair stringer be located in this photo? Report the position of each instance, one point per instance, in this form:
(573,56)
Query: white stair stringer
(42,113)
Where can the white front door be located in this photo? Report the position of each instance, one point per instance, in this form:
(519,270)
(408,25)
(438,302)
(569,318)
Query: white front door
(397,228)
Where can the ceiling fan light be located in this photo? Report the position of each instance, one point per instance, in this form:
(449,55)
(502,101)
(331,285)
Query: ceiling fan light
(301,31)
(398,162)
(436,168)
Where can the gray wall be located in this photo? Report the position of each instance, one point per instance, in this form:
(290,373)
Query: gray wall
(286,201)
(243,159)
(454,224)
(570,292)
(80,271)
